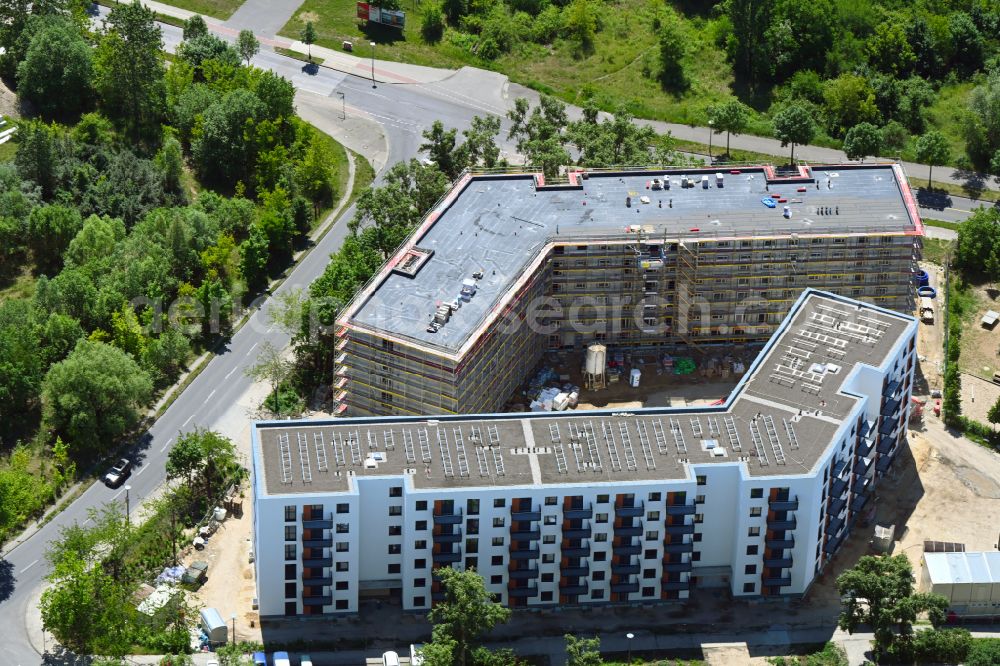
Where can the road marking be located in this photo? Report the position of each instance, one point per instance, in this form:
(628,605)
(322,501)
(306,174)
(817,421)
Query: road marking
(166,445)
(252,348)
(230,372)
(28,567)
(960,210)
(119,494)
(141,470)
(270,329)
(210,395)
(188,421)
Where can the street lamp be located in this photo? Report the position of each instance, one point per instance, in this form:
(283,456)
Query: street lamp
(127,520)
(711,131)
(233,618)
(373,65)
(629,636)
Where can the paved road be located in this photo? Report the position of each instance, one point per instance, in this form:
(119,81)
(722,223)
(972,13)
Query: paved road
(264,17)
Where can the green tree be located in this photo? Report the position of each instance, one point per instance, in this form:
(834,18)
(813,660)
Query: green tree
(862,140)
(455,10)
(799,35)
(128,69)
(254,258)
(202,458)
(967,43)
(170,162)
(315,174)
(933,150)
(878,592)
(439,144)
(467,612)
(92,397)
(50,231)
(730,117)
(581,23)
(220,150)
(480,147)
(539,134)
(195,27)
(977,248)
(984,652)
(432,23)
(849,99)
(942,646)
(247,45)
(274,367)
(794,125)
(981,125)
(39,156)
(57,72)
(616,141)
(747,46)
(308,37)
(672,52)
(889,50)
(583,651)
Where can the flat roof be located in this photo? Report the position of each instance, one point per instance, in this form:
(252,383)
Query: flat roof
(498,225)
(778,421)
(963,568)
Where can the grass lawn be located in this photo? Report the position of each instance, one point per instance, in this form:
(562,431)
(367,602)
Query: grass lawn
(341,171)
(937,250)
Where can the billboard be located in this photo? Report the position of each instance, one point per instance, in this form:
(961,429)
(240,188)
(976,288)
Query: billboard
(390,17)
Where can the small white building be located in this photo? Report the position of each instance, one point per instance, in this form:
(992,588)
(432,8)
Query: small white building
(970,581)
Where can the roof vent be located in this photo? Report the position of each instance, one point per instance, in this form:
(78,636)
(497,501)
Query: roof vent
(412,261)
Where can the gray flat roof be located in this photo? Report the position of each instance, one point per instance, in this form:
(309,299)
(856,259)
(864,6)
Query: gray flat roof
(779,420)
(498,225)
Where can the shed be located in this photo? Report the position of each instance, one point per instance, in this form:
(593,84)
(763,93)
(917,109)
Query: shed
(214,626)
(970,581)
(990,319)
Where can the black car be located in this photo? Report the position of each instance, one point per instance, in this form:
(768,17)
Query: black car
(117,474)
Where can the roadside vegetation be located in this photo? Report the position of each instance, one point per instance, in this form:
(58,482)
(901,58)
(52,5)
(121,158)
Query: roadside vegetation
(144,207)
(874,76)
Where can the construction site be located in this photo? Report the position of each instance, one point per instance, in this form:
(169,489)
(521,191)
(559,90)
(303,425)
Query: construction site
(661,265)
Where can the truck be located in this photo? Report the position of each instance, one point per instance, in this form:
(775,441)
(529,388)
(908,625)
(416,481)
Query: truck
(926,310)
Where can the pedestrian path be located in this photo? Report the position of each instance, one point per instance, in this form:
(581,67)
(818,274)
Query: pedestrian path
(264,17)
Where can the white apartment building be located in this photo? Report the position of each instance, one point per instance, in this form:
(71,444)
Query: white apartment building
(594,507)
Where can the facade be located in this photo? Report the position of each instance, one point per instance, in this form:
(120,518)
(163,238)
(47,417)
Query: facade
(753,496)
(506,268)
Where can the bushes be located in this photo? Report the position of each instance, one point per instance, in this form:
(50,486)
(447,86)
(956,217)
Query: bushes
(432,23)
(945,646)
(983,652)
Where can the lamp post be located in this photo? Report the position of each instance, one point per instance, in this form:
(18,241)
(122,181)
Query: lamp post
(128,521)
(711,131)
(233,618)
(373,65)
(629,636)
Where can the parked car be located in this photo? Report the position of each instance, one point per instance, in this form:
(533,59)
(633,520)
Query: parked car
(259,659)
(116,475)
(305,660)
(281,659)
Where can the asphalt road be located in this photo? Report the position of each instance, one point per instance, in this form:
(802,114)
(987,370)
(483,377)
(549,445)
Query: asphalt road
(403,112)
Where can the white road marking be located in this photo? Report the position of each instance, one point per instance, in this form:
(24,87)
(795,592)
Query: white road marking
(28,567)
(118,494)
(252,348)
(166,445)
(142,469)
(211,394)
(230,372)
(188,421)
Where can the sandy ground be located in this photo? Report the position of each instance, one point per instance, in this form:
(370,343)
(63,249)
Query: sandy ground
(980,345)
(978,395)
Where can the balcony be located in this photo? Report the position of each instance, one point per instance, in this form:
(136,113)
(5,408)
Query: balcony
(446,558)
(838,488)
(620,588)
(678,547)
(583,550)
(786,504)
(524,554)
(680,529)
(318,543)
(779,544)
(681,509)
(321,581)
(525,535)
(625,569)
(316,523)
(865,447)
(891,408)
(677,566)
(578,513)
(862,466)
(883,464)
(781,523)
(448,519)
(892,388)
(859,502)
(317,601)
(783,581)
(674,585)
(525,515)
(836,506)
(778,563)
(448,537)
(582,532)
(885,444)
(522,592)
(572,570)
(314,561)
(834,525)
(523,574)
(831,545)
(629,511)
(574,590)
(629,531)
(629,549)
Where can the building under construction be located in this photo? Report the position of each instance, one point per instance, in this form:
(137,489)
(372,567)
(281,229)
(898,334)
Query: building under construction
(507,267)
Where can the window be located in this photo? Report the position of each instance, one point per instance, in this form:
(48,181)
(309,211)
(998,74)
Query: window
(396,510)
(289,532)
(395,530)
(546,596)
(471,546)
(756,493)
(601,518)
(497,560)
(551,501)
(291,607)
(420,525)
(652,535)
(550,520)
(419,582)
(649,573)
(497,541)
(289,551)
(602,499)
(697,536)
(496,580)
(701,480)
(753,532)
(647,591)
(472,507)
(601,537)
(699,499)
(597,576)
(548,578)
(393,568)
(548,558)
(750,587)
(289,513)
(396,491)
(696,556)
(649,554)
(419,601)
(343,546)
(395,549)
(597,594)
(498,522)
(752,550)
(471,563)
(499,503)
(472,526)
(699,518)
(343,528)
(420,563)
(421,505)
(341,604)
(755,512)
(343,508)
(342,585)
(652,515)
(342,566)
(750,569)
(600,557)
(549,538)
(654,497)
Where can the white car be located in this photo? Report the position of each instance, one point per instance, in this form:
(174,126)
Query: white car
(304,660)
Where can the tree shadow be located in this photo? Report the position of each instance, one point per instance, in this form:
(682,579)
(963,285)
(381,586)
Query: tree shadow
(973,184)
(7,580)
(380,34)
(60,656)
(936,199)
